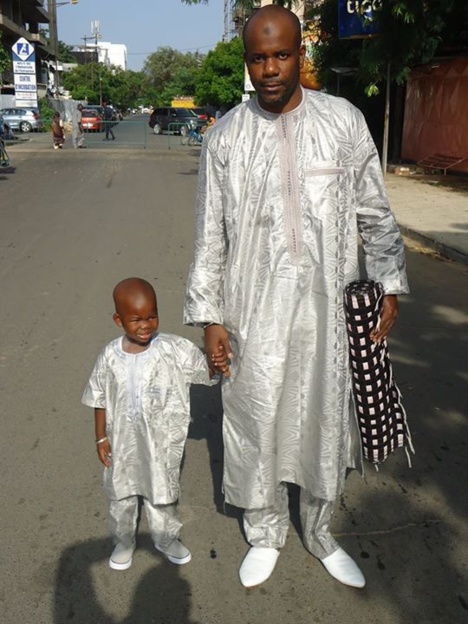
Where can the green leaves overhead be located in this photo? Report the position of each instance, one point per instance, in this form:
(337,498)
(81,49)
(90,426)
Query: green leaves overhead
(412,32)
(221,78)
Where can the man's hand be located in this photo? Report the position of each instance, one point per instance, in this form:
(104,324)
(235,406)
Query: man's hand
(104,453)
(388,317)
(218,349)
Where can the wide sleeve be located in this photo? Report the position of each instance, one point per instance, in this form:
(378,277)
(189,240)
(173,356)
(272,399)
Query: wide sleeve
(204,294)
(94,394)
(195,365)
(377,226)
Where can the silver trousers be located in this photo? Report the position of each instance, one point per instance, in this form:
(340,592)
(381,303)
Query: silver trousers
(163,521)
(268,527)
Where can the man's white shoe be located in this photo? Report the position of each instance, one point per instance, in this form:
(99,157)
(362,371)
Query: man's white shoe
(344,569)
(258,566)
(176,552)
(121,558)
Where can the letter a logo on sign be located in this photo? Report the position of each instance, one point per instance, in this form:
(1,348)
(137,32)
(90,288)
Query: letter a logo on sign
(23,49)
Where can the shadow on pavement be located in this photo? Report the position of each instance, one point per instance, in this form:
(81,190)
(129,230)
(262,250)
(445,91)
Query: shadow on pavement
(161,596)
(207,423)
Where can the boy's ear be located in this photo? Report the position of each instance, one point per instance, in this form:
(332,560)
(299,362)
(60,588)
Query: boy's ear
(117,319)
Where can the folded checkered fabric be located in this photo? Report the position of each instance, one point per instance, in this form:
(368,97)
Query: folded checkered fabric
(381,416)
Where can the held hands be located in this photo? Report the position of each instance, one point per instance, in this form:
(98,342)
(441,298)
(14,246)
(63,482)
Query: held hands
(104,452)
(388,317)
(218,349)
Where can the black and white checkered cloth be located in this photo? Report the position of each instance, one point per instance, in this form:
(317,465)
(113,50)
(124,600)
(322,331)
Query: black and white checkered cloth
(381,416)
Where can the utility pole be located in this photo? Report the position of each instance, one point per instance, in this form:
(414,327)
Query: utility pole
(53,38)
(227,20)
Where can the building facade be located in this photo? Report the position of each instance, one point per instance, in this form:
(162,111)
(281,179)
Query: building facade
(28,19)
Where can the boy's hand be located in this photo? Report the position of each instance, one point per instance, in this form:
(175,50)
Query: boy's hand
(219,362)
(218,349)
(104,453)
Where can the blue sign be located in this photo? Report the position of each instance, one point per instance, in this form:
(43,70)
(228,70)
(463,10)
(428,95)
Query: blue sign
(356,18)
(22,50)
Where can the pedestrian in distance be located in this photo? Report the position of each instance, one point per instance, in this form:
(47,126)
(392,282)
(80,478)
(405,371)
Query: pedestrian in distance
(78,137)
(139,390)
(4,158)
(108,122)
(287,182)
(58,133)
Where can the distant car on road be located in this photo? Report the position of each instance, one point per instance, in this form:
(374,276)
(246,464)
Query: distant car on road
(99,109)
(22,119)
(184,120)
(91,120)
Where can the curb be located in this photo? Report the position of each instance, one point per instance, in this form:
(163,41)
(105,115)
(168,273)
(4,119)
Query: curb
(442,249)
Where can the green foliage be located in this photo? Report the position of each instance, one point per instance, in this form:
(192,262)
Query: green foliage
(46,112)
(171,73)
(221,79)
(411,33)
(65,53)
(5,61)
(95,83)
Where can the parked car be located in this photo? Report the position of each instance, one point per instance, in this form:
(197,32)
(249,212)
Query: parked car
(185,119)
(22,119)
(201,113)
(91,120)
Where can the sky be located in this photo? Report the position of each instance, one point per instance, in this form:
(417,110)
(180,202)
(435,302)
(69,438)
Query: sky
(144,25)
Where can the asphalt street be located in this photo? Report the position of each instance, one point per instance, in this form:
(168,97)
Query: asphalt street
(72,224)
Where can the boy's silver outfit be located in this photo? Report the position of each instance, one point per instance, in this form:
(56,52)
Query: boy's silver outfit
(147,401)
(281,201)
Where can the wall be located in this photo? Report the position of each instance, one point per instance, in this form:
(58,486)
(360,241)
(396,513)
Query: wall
(436,117)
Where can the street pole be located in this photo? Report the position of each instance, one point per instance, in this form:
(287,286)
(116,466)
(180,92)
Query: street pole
(53,37)
(386,123)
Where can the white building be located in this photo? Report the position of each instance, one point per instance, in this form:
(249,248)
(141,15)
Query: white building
(110,54)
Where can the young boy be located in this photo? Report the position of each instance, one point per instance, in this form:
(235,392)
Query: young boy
(139,389)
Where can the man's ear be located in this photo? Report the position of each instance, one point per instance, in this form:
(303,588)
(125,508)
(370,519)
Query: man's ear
(302,54)
(117,319)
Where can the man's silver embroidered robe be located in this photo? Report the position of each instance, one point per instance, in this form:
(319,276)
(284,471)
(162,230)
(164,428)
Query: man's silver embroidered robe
(147,401)
(281,201)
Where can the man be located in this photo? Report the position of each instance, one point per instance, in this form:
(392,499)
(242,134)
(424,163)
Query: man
(108,118)
(77,128)
(287,181)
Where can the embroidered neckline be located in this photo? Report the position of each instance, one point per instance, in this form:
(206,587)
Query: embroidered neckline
(274,116)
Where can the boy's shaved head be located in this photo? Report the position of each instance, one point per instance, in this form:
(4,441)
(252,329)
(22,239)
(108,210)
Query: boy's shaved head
(269,17)
(132,290)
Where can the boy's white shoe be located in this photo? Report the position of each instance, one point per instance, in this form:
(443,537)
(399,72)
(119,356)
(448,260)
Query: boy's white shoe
(176,552)
(258,565)
(121,558)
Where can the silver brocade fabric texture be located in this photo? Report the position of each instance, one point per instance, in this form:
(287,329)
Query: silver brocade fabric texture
(281,201)
(147,401)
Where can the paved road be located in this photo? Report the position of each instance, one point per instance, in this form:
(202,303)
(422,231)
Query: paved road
(71,225)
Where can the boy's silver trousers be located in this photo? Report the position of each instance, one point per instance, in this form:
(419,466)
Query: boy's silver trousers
(268,527)
(163,521)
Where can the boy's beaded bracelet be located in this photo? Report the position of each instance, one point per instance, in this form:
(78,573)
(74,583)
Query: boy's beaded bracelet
(101,440)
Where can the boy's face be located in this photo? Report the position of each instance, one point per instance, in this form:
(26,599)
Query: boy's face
(139,319)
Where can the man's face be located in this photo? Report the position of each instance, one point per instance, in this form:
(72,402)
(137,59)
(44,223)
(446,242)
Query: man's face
(274,61)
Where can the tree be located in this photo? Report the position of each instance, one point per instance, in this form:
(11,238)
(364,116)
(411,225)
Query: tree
(5,61)
(65,53)
(172,73)
(411,32)
(221,79)
(95,82)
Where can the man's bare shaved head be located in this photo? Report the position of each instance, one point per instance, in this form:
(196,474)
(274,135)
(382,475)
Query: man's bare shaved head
(272,14)
(130,291)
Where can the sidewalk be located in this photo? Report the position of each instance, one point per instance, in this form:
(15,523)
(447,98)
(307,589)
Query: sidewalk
(431,214)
